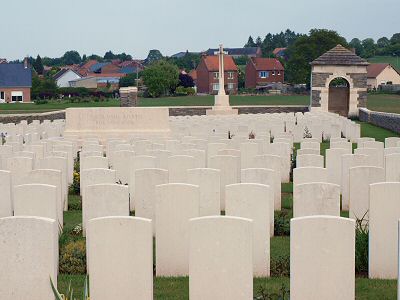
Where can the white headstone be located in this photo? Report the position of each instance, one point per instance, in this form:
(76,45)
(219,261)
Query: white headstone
(121,255)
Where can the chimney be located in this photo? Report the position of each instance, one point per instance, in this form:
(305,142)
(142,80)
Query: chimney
(26,63)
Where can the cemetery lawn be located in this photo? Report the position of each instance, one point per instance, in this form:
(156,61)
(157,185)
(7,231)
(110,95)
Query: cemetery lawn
(278,283)
(14,108)
(384,102)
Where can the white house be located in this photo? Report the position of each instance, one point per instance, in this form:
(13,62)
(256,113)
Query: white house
(63,77)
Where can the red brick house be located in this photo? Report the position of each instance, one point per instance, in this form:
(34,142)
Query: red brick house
(15,82)
(262,71)
(207,75)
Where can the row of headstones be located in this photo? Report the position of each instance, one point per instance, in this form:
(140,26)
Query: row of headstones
(33,131)
(319,125)
(218,253)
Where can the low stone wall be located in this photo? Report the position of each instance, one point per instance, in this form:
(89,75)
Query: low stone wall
(385,120)
(173,111)
(16,118)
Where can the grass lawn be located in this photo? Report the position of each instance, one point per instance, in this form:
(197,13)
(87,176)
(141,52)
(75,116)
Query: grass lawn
(274,287)
(384,102)
(393,60)
(164,101)
(378,102)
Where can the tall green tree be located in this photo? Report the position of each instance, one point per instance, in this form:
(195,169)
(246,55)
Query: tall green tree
(153,56)
(72,57)
(356,44)
(395,39)
(161,78)
(250,42)
(383,42)
(369,47)
(306,49)
(38,65)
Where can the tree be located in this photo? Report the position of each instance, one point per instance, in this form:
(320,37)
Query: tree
(356,44)
(109,55)
(383,42)
(128,80)
(306,49)
(84,58)
(38,65)
(153,56)
(161,78)
(258,41)
(188,62)
(395,39)
(186,80)
(250,42)
(369,47)
(72,57)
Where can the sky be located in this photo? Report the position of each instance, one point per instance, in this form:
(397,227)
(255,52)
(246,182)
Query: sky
(51,27)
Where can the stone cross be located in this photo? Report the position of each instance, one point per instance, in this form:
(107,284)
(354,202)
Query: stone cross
(220,53)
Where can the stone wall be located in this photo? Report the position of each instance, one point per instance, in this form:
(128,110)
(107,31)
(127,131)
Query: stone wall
(173,111)
(319,79)
(385,120)
(16,118)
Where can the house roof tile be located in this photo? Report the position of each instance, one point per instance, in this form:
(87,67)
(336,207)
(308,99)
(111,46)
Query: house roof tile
(267,64)
(15,75)
(212,63)
(373,70)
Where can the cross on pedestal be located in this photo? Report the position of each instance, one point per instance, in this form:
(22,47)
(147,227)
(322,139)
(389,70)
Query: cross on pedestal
(221,73)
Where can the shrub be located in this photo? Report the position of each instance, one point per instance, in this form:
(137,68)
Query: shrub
(280,266)
(184,91)
(282,223)
(73,258)
(362,239)
(75,188)
(263,293)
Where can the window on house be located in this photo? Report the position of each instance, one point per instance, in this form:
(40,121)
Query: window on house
(279,73)
(2,95)
(216,75)
(16,96)
(230,75)
(273,73)
(264,74)
(230,86)
(215,86)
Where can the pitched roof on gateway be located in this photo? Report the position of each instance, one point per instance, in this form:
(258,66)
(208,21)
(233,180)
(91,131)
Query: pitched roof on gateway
(212,63)
(339,55)
(266,64)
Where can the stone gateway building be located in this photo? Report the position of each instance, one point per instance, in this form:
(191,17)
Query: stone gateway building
(339,82)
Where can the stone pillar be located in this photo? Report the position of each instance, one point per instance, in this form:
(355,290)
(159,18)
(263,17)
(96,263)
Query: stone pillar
(128,96)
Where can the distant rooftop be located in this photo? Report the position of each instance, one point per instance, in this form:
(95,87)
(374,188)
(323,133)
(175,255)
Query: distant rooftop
(236,51)
(15,75)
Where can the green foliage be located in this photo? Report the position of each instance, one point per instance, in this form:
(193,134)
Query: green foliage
(73,258)
(153,56)
(280,266)
(43,87)
(38,65)
(188,62)
(263,293)
(160,78)
(184,91)
(361,253)
(71,57)
(128,80)
(69,295)
(282,223)
(307,48)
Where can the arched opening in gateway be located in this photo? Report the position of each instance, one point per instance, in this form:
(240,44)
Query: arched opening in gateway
(339,96)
